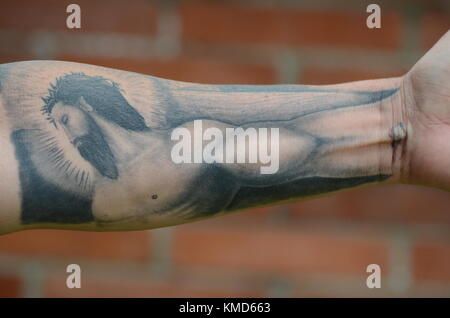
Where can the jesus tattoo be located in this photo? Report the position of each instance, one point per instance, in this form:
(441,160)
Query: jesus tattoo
(98,149)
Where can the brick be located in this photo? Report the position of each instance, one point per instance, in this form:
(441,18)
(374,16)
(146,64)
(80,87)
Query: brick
(318,76)
(431,261)
(135,17)
(255,217)
(276,250)
(133,246)
(14,45)
(190,70)
(229,24)
(433,26)
(399,204)
(55,286)
(258,213)
(10,58)
(10,286)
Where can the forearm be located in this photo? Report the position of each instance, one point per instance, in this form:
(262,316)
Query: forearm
(332,138)
(60,173)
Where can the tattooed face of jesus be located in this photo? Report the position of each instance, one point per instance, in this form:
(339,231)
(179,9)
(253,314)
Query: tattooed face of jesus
(72,120)
(85,135)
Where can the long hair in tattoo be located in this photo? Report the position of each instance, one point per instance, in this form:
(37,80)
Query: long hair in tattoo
(102,94)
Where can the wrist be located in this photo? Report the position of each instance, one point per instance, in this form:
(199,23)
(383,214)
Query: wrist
(395,123)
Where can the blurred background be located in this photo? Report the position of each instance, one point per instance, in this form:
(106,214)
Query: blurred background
(313,248)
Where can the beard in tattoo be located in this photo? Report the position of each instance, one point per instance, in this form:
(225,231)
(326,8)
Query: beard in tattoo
(94,149)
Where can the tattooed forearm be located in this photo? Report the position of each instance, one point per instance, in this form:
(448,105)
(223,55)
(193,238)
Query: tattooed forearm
(96,148)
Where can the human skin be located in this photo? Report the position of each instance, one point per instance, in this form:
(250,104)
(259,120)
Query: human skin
(91,148)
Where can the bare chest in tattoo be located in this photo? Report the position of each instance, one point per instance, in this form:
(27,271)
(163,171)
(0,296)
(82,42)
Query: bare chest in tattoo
(162,189)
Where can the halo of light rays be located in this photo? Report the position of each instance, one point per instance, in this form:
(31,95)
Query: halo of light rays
(60,163)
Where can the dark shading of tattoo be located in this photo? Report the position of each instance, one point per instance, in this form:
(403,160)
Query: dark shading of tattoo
(94,148)
(251,196)
(43,201)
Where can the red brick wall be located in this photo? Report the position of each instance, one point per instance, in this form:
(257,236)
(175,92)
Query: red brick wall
(319,247)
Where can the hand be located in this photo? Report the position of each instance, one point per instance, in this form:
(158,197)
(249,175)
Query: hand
(426,101)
